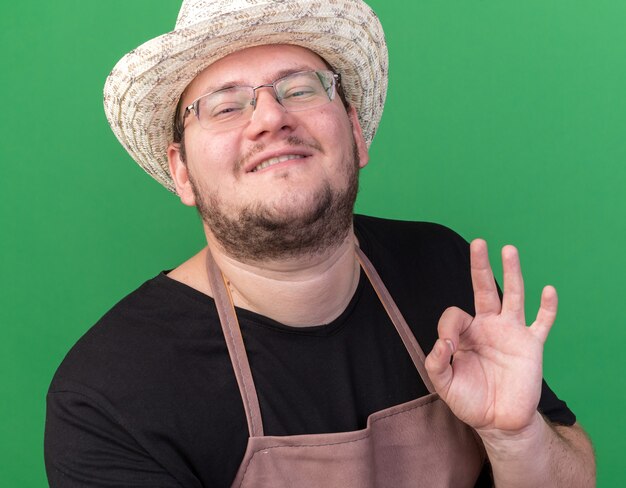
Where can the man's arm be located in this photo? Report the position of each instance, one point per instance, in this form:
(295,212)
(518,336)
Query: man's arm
(488,369)
(85,445)
(552,455)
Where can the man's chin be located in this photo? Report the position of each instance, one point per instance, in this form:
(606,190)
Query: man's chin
(284,230)
(301,210)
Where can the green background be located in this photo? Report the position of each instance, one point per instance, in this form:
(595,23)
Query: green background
(504,120)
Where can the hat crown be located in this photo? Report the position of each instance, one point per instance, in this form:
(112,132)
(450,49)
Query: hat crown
(195,11)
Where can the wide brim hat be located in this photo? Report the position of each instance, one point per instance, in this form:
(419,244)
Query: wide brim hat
(142,91)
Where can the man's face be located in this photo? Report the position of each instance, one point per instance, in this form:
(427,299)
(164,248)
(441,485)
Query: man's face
(302,202)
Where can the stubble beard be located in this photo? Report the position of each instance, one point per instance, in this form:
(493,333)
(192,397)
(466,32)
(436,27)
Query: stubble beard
(260,233)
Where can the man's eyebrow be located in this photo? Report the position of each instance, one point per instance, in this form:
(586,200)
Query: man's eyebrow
(275,76)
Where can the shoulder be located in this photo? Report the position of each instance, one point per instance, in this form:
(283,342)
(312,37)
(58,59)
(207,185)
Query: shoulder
(139,387)
(400,231)
(387,239)
(133,341)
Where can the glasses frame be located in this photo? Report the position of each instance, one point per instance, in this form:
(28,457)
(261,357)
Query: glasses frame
(335,81)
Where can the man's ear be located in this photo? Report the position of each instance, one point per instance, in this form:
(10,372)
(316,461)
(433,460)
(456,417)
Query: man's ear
(180,175)
(361,145)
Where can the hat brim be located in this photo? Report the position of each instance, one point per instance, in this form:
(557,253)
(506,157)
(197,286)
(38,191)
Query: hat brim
(142,91)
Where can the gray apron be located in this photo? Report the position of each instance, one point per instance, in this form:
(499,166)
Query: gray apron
(417,443)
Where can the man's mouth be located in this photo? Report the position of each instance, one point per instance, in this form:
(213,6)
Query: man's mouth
(279,159)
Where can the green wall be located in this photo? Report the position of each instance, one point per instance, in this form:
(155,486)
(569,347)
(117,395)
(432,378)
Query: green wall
(504,120)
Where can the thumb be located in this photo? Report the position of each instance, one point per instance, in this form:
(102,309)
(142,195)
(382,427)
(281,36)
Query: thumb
(438,365)
(452,324)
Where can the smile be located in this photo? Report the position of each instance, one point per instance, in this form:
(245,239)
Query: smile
(269,162)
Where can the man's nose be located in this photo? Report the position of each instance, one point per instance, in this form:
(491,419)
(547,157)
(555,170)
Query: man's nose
(269,115)
(265,92)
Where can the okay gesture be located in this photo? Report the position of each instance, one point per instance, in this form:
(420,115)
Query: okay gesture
(488,368)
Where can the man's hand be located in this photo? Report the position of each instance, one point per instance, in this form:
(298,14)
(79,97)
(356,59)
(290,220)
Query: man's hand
(493,382)
(488,369)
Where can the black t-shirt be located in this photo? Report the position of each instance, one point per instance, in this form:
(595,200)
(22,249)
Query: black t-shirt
(148,397)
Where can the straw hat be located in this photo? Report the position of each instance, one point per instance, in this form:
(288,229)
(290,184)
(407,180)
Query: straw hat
(143,89)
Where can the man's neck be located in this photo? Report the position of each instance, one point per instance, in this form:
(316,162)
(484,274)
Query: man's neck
(301,291)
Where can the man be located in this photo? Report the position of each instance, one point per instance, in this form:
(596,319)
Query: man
(279,355)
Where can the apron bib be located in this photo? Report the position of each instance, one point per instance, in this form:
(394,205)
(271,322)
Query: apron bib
(419,443)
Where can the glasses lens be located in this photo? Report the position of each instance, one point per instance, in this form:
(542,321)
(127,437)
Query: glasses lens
(225,108)
(305,90)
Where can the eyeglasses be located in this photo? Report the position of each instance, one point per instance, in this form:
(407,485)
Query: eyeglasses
(233,106)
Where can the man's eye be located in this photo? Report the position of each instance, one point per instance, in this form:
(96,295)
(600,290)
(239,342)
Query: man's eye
(300,92)
(225,110)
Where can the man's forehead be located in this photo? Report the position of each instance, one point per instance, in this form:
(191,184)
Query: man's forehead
(255,65)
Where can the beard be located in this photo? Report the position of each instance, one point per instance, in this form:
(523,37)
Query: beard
(259,232)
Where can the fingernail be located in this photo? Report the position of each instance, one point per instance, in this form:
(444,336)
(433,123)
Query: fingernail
(451,345)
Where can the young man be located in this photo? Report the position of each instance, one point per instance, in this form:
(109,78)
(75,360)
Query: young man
(288,352)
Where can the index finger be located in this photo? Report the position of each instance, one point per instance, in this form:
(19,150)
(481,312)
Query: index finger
(486,299)
(513,298)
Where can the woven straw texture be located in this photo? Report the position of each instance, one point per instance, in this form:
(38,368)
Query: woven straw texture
(143,89)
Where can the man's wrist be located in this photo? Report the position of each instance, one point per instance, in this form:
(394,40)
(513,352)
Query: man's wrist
(516,457)
(504,446)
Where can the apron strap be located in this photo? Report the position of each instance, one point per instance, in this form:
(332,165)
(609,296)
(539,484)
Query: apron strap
(236,348)
(411,344)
